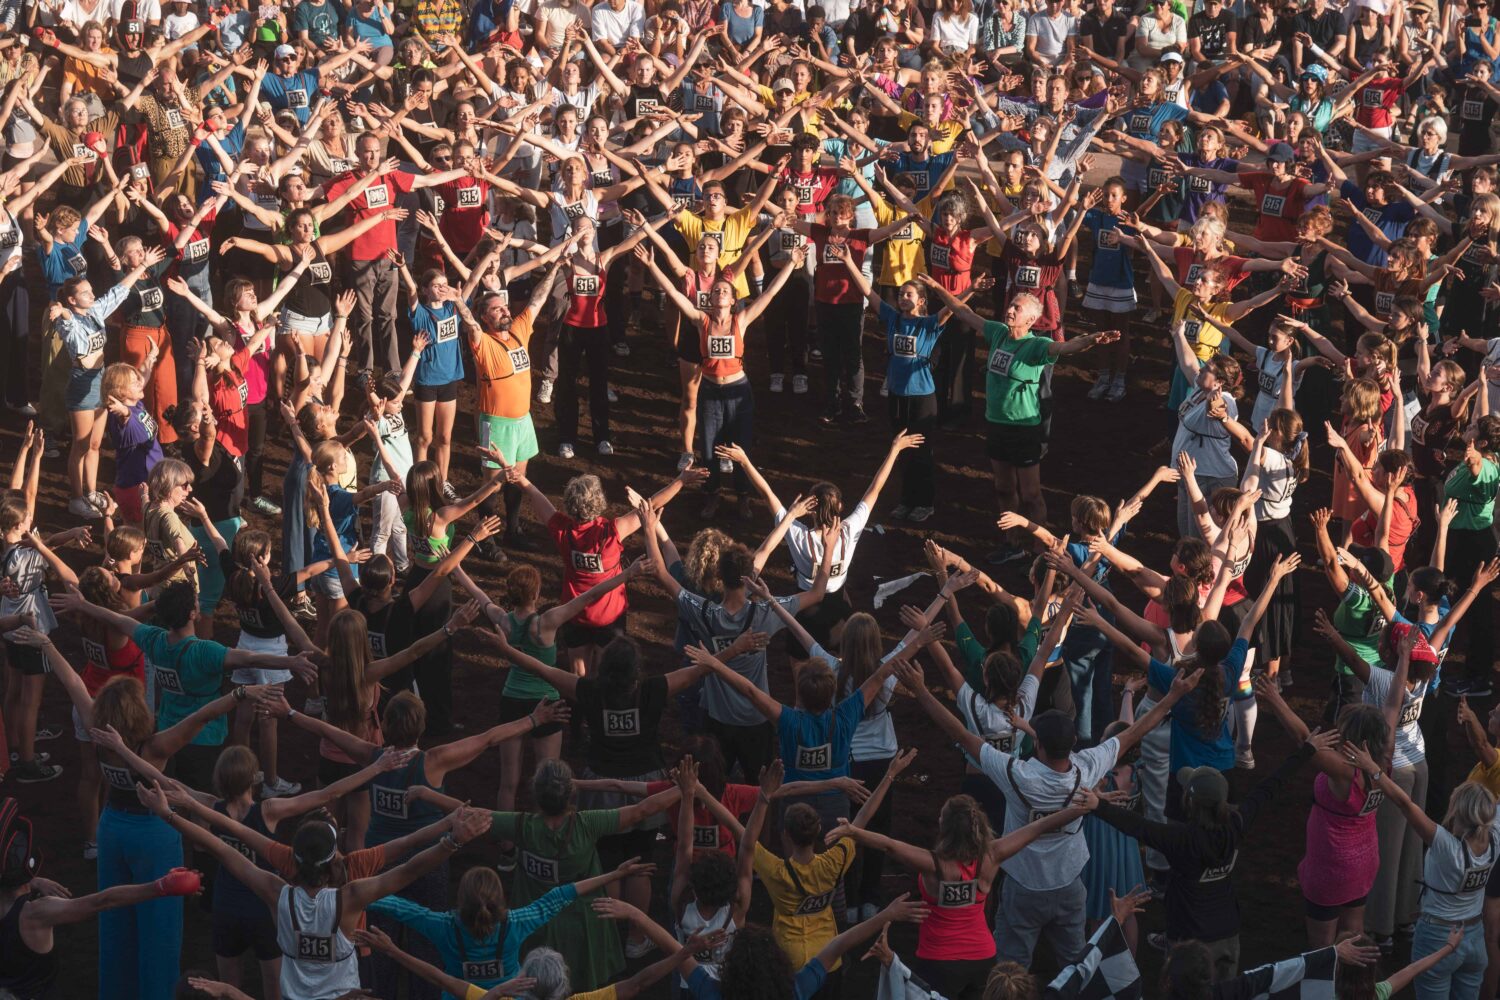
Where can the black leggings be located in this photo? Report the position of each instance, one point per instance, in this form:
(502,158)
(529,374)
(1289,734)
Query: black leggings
(917,415)
(255,452)
(15,330)
(577,346)
(784,326)
(1467,548)
(862,883)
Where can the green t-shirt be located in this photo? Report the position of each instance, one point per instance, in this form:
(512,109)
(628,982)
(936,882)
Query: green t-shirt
(523,683)
(1013,376)
(187,675)
(1359,620)
(546,859)
(1475,495)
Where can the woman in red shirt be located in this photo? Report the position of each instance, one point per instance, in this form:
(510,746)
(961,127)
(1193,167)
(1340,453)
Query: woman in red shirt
(1280,195)
(1031,268)
(726,403)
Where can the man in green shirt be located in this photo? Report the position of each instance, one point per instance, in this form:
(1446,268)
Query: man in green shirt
(1016,383)
(1471,542)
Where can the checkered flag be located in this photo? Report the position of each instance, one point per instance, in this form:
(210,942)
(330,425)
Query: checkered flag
(1309,976)
(1107,970)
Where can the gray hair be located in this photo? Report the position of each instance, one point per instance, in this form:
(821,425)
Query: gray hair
(552,786)
(583,497)
(127,244)
(167,475)
(550,971)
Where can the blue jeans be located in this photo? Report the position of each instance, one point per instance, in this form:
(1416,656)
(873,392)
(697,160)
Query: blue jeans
(1087,655)
(140,946)
(1456,977)
(296,541)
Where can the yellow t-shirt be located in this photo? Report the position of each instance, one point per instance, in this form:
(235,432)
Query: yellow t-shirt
(802,898)
(904,256)
(1204,337)
(944,134)
(732,233)
(1489,777)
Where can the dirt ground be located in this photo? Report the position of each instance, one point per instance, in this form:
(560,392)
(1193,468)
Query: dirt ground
(1098,448)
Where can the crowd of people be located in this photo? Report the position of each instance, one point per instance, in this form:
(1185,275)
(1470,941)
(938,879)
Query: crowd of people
(230,232)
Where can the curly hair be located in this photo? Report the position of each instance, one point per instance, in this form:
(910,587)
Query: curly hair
(583,498)
(755,968)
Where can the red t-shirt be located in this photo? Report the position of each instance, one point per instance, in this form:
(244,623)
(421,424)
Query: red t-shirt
(229,396)
(585,299)
(465,212)
(104,664)
(812,188)
(376,198)
(950,259)
(1373,103)
(1279,210)
(1403,522)
(591,554)
(832,283)
(1038,276)
(709,835)
(1189,267)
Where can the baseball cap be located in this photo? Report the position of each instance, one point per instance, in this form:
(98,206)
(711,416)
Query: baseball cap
(282,51)
(1171,57)
(1280,152)
(1377,561)
(1205,784)
(784,84)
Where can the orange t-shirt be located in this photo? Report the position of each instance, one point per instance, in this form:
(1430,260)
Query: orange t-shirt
(504,368)
(723,350)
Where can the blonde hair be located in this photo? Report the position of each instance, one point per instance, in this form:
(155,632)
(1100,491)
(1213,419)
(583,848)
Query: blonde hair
(702,561)
(117,377)
(1361,401)
(1471,808)
(327,457)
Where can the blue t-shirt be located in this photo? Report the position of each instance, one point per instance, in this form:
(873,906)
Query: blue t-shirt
(296,92)
(213,170)
(187,675)
(1111,267)
(924,173)
(742,29)
(1146,123)
(808,981)
(345,516)
(1190,748)
(368,29)
(441,362)
(1391,220)
(63,261)
(1208,99)
(816,747)
(910,340)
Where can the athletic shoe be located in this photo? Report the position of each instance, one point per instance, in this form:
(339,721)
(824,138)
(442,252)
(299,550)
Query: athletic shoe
(564,451)
(920,514)
(899,512)
(1245,760)
(868,911)
(859,416)
(316,707)
(611,395)
(1101,386)
(639,949)
(1116,389)
(40,758)
(778,382)
(1005,554)
(24,410)
(450,494)
(31,772)
(47,733)
(304,610)
(264,506)
(815,354)
(684,461)
(544,391)
(799,385)
(81,507)
(622,349)
(90,850)
(279,788)
(605,448)
(52,449)
(507,862)
(1152,316)
(726,466)
(1157,940)
(885,388)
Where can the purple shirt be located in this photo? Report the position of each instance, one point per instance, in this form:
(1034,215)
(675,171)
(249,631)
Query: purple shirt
(1199,191)
(136,447)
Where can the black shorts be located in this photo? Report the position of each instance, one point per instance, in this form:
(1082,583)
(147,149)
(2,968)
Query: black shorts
(512,709)
(330,771)
(1317,911)
(573,635)
(193,765)
(28,660)
(618,847)
(237,933)
(1016,445)
(445,393)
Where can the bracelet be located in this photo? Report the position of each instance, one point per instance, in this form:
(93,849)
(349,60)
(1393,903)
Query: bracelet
(448,631)
(290,713)
(239,694)
(450,842)
(534,723)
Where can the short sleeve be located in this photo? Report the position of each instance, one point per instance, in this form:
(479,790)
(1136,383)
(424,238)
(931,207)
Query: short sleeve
(1160,675)
(809,979)
(505,825)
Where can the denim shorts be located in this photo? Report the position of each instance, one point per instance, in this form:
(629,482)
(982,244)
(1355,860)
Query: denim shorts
(83,388)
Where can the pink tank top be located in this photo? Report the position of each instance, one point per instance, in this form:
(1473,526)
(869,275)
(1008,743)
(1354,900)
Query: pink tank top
(1343,850)
(955,929)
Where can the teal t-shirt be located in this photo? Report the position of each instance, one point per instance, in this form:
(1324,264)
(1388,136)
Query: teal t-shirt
(187,675)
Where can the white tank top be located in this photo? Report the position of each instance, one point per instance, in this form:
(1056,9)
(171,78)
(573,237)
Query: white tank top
(693,922)
(319,962)
(563,211)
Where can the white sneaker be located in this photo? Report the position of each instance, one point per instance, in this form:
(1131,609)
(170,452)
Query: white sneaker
(81,507)
(684,461)
(868,911)
(885,388)
(778,382)
(611,395)
(564,451)
(315,707)
(1101,385)
(605,448)
(637,949)
(622,349)
(799,384)
(899,512)
(1116,389)
(851,916)
(920,514)
(279,788)
(90,850)
(544,391)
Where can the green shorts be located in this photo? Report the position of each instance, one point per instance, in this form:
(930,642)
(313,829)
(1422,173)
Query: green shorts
(513,437)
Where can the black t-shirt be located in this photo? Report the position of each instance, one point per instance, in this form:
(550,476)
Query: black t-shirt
(1252,35)
(391,627)
(1472,110)
(1104,33)
(623,742)
(1212,32)
(1323,28)
(259,619)
(217,483)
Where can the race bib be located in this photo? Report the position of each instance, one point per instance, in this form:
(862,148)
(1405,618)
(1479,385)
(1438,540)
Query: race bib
(447,329)
(174,119)
(1370,99)
(828,256)
(1410,713)
(575,210)
(96,653)
(1155,177)
(10,239)
(705,838)
(377,196)
(682,201)
(717,237)
(538,868)
(388,801)
(1005,742)
(168,680)
(1199,185)
(1384,301)
(469,197)
(439,206)
(792,241)
(646,106)
(77,264)
(585,284)
(1373,798)
(250,618)
(1372,214)
(314,947)
(151,298)
(118,778)
(1108,239)
(377,644)
(196,250)
(1195,271)
(919,178)
(904,346)
(1139,122)
(588,562)
(623,722)
(814,904)
(952,895)
(721,643)
(476,972)
(238,845)
(1472,111)
(940,256)
(907,234)
(341,165)
(804,194)
(1419,429)
(79,149)
(700,299)
(818,758)
(1267,383)
(1191,328)
(1272,204)
(321,272)
(703,102)
(1000,362)
(296,98)
(1475,878)
(721,348)
(1029,277)
(1219,873)
(520,360)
